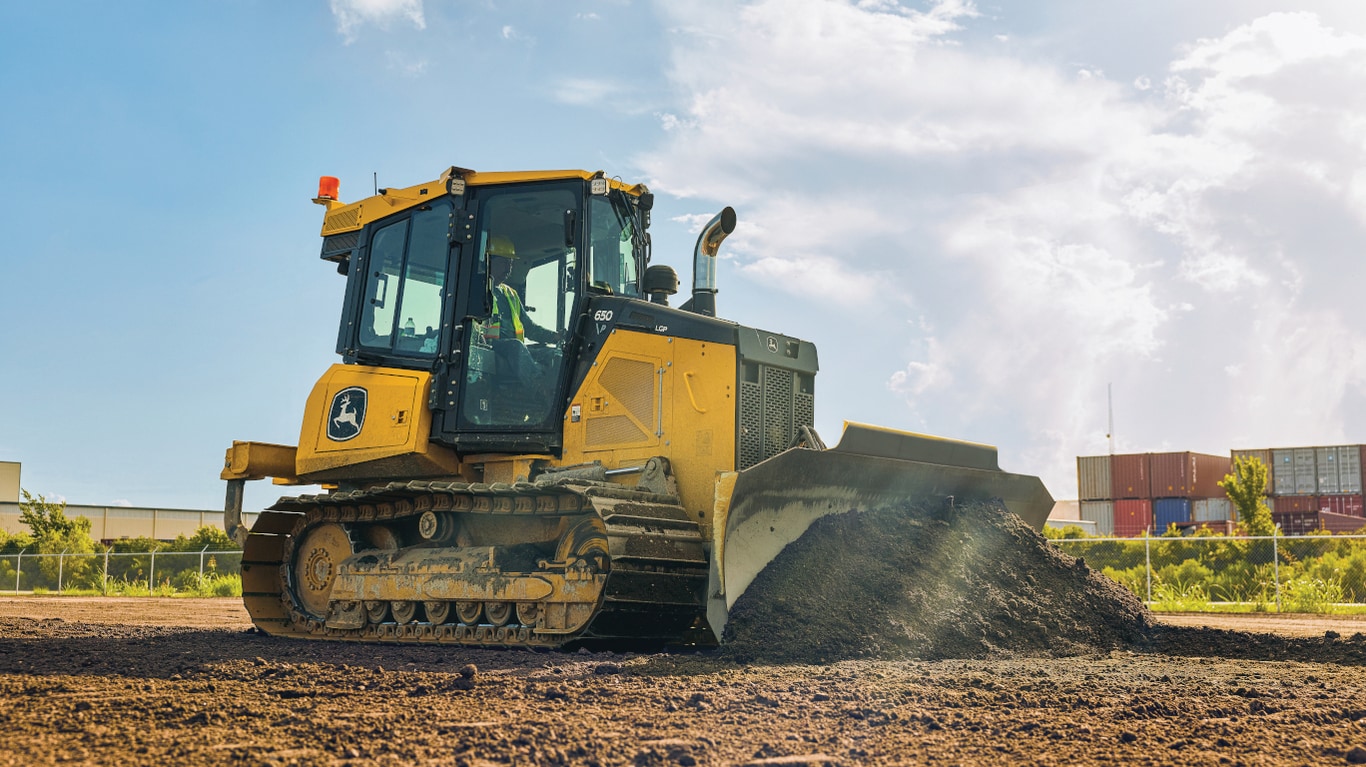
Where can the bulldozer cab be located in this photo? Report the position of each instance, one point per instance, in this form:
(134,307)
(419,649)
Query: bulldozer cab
(486,289)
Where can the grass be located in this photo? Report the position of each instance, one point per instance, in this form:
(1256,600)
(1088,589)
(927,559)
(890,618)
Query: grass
(211,585)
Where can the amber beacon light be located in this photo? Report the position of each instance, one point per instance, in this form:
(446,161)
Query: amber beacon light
(328,187)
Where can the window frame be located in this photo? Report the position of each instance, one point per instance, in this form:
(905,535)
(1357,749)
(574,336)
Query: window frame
(349,339)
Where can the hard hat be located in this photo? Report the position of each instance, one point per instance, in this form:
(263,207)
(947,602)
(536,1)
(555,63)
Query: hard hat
(501,246)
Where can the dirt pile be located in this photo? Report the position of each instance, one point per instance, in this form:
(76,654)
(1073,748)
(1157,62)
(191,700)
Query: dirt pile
(930,582)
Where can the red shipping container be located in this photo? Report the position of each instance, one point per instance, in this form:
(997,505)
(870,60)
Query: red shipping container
(1186,475)
(1129,476)
(1285,504)
(1132,517)
(1305,522)
(1348,504)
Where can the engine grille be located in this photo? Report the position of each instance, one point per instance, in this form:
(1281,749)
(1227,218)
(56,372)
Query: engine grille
(774,404)
(630,386)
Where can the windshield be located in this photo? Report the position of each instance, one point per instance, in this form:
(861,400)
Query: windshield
(523,296)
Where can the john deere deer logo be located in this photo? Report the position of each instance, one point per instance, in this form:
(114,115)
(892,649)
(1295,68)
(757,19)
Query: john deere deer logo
(347,414)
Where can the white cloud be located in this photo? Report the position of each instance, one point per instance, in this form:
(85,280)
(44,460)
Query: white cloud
(515,34)
(921,376)
(123,502)
(1063,231)
(582,91)
(351,15)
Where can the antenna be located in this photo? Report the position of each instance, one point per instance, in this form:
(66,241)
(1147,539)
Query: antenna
(1110,405)
(376,178)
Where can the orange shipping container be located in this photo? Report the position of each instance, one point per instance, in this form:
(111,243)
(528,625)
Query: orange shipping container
(1284,504)
(1186,475)
(1129,476)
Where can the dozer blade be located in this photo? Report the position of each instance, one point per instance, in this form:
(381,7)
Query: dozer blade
(774,502)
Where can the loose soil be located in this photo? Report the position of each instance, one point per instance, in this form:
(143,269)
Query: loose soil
(1022,654)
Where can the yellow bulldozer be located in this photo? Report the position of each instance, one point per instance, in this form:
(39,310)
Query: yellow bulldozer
(526,445)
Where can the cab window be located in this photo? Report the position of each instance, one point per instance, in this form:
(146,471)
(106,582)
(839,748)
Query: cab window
(401,312)
(611,256)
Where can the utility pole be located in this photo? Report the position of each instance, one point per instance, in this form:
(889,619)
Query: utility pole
(1110,405)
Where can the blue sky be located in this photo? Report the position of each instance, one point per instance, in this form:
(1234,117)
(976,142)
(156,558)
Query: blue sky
(981,213)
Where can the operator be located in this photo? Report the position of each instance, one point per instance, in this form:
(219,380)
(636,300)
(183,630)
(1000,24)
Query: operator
(508,326)
(509,318)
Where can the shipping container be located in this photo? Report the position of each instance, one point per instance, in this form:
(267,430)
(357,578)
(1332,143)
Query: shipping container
(1349,469)
(1306,475)
(1102,513)
(1262,455)
(1212,510)
(1170,511)
(1132,517)
(1338,469)
(1186,475)
(1093,478)
(1305,522)
(1282,472)
(1348,504)
(1326,470)
(1129,476)
(1288,503)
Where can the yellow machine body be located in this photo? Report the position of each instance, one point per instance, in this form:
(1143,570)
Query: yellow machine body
(632,492)
(395,440)
(659,396)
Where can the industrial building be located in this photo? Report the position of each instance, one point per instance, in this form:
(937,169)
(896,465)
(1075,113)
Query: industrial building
(110,523)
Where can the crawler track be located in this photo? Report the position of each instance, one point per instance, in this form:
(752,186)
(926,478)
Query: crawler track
(648,588)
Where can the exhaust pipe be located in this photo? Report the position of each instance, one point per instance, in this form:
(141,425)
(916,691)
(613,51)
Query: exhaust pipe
(704,262)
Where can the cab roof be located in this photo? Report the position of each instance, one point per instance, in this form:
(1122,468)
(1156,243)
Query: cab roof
(351,216)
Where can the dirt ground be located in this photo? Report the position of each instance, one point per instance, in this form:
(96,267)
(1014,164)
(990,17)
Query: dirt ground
(961,637)
(160,681)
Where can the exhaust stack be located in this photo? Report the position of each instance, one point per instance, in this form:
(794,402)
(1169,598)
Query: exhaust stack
(704,262)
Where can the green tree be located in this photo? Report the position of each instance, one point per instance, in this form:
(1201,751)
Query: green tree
(212,537)
(1246,488)
(56,533)
(48,519)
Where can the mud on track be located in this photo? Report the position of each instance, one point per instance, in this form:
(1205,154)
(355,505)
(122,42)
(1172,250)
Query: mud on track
(153,682)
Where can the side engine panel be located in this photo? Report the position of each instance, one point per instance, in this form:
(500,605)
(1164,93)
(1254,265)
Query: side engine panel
(650,395)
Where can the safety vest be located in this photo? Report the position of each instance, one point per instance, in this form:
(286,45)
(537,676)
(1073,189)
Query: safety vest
(494,327)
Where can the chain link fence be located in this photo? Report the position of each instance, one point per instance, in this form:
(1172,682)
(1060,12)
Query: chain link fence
(132,573)
(1303,574)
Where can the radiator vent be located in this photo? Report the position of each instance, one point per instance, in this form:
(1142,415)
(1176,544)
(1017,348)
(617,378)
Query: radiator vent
(774,403)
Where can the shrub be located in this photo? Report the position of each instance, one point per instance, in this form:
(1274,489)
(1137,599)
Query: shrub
(1308,594)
